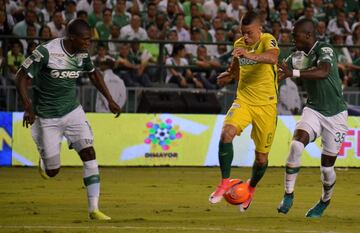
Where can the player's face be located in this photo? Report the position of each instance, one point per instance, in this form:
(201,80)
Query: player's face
(251,33)
(82,41)
(300,38)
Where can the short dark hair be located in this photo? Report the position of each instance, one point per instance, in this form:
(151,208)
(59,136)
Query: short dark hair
(249,18)
(177,48)
(80,13)
(307,24)
(77,27)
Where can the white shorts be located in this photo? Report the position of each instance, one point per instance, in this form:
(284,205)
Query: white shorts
(49,132)
(332,130)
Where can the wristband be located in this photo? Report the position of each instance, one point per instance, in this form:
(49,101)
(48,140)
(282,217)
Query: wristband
(296,73)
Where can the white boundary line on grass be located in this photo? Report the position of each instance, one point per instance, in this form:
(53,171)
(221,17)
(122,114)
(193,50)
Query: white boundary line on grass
(103,227)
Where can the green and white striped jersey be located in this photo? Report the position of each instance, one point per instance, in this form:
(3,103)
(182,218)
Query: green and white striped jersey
(324,95)
(54,72)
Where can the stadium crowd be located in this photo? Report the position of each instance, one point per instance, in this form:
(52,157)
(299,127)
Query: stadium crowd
(338,22)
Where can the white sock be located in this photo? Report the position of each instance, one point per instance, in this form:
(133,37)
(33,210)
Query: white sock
(92,183)
(293,165)
(328,178)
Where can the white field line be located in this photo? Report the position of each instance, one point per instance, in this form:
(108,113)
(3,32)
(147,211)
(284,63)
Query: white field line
(195,229)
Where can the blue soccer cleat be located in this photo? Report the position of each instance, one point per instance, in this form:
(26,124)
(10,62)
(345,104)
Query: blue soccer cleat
(318,209)
(286,203)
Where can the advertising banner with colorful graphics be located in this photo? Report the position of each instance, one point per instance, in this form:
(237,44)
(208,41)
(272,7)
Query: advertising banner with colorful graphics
(167,139)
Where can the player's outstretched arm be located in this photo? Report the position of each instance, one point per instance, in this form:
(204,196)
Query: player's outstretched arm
(99,83)
(269,56)
(22,84)
(231,73)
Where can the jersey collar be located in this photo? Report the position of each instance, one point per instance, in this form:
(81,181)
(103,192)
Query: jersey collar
(63,48)
(312,48)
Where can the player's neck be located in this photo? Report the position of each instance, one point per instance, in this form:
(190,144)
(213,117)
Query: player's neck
(309,46)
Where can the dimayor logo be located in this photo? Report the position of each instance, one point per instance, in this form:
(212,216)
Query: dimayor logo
(162,133)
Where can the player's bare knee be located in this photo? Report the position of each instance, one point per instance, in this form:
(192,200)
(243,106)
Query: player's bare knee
(52,172)
(228,133)
(301,136)
(261,159)
(87,154)
(328,159)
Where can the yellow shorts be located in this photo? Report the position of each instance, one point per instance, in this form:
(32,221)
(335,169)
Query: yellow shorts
(263,119)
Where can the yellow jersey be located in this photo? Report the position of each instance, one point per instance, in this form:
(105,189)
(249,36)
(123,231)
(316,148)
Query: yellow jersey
(258,81)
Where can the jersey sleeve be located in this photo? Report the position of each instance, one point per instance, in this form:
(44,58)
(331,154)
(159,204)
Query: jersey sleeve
(326,54)
(270,43)
(88,65)
(36,61)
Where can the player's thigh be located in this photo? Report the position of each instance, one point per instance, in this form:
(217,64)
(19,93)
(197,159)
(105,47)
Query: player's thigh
(264,126)
(238,116)
(47,134)
(333,133)
(77,130)
(310,122)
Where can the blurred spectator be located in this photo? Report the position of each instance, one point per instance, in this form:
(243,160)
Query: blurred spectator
(57,25)
(133,30)
(45,33)
(149,17)
(48,11)
(101,55)
(103,27)
(114,47)
(266,24)
(172,37)
(192,48)
(21,27)
(206,72)
(343,57)
(70,11)
(186,7)
(354,39)
(276,29)
(84,5)
(162,6)
(193,13)
(289,102)
(179,75)
(235,9)
(30,33)
(4,25)
(322,33)
(82,15)
(355,72)
(15,58)
(162,25)
(283,5)
(285,51)
(30,48)
(172,11)
(115,85)
(309,14)
(319,10)
(212,7)
(120,16)
(285,24)
(216,24)
(141,58)
(96,14)
(219,37)
(182,32)
(338,25)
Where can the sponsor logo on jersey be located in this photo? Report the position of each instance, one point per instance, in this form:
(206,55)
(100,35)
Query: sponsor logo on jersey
(65,74)
(273,43)
(244,61)
(57,55)
(327,50)
(27,63)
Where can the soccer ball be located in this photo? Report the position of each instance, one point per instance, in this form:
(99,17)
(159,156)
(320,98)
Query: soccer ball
(238,193)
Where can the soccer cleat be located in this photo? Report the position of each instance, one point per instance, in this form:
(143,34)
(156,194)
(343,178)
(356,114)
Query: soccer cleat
(286,203)
(318,209)
(98,215)
(224,186)
(42,172)
(246,204)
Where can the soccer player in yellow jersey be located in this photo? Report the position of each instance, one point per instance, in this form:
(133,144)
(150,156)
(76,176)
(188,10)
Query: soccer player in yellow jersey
(254,62)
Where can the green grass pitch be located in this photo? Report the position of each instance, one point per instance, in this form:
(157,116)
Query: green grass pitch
(170,199)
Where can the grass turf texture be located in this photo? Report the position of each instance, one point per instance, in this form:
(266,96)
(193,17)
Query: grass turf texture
(166,199)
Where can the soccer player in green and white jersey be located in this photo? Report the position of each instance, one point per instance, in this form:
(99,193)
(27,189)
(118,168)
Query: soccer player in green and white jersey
(325,114)
(54,111)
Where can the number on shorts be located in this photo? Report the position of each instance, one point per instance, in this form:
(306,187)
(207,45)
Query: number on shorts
(340,137)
